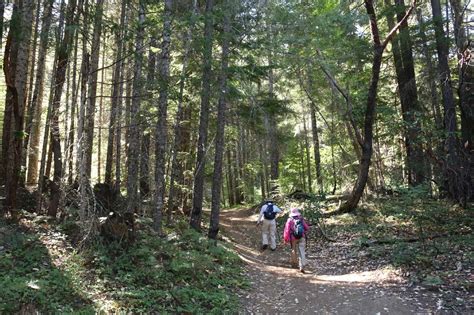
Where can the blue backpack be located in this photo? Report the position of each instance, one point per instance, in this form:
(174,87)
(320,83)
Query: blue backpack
(268,213)
(298,228)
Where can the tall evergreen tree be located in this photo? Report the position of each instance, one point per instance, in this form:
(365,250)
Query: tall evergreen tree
(198,188)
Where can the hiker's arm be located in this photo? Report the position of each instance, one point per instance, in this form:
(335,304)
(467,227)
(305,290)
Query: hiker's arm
(278,211)
(306,226)
(286,233)
(259,220)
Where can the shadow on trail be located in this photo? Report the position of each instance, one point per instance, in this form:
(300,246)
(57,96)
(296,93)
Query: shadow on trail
(277,288)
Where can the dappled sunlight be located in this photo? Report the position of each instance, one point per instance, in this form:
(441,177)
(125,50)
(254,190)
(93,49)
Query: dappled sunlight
(373,276)
(328,285)
(37,280)
(245,239)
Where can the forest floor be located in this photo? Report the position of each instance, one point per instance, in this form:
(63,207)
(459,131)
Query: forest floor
(341,278)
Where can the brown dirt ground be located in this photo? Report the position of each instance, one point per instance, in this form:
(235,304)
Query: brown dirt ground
(328,287)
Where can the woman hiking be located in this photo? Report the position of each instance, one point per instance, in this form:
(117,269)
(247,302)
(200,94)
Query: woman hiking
(294,233)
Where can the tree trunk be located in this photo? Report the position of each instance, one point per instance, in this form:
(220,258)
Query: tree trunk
(453,173)
(28,107)
(430,81)
(37,98)
(85,65)
(317,155)
(302,162)
(378,48)
(431,72)
(116,98)
(15,67)
(134,129)
(2,12)
(145,143)
(161,126)
(89,122)
(237,179)
(101,110)
(220,136)
(273,139)
(308,156)
(230,180)
(198,187)
(72,129)
(404,66)
(466,76)
(59,78)
(176,161)
(263,177)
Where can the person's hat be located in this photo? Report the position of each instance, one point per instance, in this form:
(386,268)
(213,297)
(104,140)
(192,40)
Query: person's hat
(295,212)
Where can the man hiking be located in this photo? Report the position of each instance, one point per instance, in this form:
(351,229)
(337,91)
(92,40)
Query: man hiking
(267,216)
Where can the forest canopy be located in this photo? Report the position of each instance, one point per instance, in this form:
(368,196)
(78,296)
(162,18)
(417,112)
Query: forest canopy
(163,108)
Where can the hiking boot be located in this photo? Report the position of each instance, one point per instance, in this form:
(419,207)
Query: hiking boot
(273,249)
(264,247)
(302,270)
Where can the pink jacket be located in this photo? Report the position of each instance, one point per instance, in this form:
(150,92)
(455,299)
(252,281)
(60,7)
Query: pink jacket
(289,225)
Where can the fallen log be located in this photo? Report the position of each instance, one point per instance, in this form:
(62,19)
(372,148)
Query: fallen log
(412,239)
(299,195)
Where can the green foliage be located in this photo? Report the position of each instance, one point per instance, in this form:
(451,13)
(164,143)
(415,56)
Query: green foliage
(182,273)
(29,276)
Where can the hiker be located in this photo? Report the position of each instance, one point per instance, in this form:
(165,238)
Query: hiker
(267,216)
(294,233)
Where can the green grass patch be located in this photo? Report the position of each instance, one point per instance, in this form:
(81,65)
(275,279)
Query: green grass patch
(29,277)
(183,273)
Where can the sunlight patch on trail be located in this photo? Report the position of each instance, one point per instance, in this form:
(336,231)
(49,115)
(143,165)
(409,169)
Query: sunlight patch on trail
(373,276)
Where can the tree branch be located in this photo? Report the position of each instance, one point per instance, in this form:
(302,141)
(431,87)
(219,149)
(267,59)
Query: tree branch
(398,25)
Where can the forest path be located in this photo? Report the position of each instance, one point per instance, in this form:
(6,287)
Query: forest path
(326,287)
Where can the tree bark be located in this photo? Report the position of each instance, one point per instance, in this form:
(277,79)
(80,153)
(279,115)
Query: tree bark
(72,129)
(37,98)
(178,161)
(2,12)
(404,66)
(431,72)
(308,156)
(454,182)
(161,126)
(145,143)
(220,133)
(101,111)
(273,138)
(134,129)
(116,98)
(15,67)
(466,76)
(263,173)
(302,163)
(89,122)
(59,78)
(198,187)
(28,106)
(317,155)
(230,185)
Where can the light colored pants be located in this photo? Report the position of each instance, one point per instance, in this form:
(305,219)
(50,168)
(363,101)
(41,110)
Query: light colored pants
(269,227)
(298,253)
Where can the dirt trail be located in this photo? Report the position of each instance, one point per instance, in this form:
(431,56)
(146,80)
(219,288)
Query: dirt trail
(325,288)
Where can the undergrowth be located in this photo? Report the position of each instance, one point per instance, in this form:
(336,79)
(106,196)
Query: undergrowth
(430,239)
(183,273)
